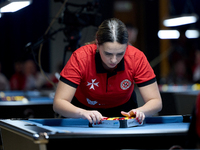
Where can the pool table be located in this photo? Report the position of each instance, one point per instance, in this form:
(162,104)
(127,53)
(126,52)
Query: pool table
(66,133)
(178,99)
(26,104)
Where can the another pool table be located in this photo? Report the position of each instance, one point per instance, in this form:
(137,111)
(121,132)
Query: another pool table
(50,134)
(26,104)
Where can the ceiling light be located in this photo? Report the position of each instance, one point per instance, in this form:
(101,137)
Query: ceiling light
(13,5)
(168,34)
(182,20)
(191,34)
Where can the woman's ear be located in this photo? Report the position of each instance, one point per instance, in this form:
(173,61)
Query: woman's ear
(96,41)
(97,45)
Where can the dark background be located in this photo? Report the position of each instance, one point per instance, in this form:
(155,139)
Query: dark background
(30,24)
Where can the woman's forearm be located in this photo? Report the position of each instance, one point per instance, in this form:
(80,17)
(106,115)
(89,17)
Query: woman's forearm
(151,107)
(152,99)
(62,101)
(67,109)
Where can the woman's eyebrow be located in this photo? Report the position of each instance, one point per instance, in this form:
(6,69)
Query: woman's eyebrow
(116,54)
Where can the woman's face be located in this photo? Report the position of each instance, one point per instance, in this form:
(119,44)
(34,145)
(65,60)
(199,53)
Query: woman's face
(111,54)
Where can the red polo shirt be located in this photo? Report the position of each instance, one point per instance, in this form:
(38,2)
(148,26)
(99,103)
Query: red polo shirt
(97,88)
(198,115)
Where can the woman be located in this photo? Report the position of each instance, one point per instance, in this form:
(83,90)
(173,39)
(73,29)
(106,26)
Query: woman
(100,79)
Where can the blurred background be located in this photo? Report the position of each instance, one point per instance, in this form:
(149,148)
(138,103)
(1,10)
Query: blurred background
(174,56)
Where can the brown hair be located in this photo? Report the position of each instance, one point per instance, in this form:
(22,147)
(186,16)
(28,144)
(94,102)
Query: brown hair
(112,30)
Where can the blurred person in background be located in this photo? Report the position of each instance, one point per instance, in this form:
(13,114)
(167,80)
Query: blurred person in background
(132,33)
(4,83)
(181,61)
(178,73)
(18,79)
(34,79)
(196,70)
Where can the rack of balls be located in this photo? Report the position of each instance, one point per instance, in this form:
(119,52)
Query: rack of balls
(117,122)
(13,98)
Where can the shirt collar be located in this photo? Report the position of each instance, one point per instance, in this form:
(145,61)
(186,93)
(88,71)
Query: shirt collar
(101,69)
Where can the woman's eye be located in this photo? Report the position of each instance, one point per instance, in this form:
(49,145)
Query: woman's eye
(108,54)
(119,54)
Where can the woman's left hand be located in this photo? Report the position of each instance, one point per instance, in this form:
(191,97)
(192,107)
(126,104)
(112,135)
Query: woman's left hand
(135,113)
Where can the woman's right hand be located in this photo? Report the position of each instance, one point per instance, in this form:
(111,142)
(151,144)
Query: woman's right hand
(92,116)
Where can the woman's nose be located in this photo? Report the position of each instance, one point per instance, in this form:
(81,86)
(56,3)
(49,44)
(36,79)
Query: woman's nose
(114,59)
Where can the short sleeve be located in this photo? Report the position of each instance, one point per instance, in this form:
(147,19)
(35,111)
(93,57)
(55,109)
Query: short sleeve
(72,70)
(143,71)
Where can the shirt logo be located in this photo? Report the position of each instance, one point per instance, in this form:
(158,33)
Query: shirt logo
(125,84)
(91,102)
(92,84)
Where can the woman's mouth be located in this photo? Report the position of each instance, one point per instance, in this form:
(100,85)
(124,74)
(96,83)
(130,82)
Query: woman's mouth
(112,65)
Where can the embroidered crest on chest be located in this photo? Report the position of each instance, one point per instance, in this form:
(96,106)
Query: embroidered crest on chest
(93,84)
